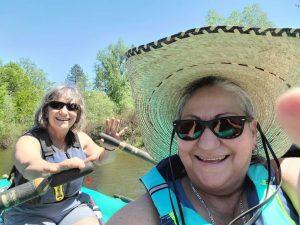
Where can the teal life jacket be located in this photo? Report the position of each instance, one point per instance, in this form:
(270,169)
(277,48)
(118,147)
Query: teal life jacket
(275,212)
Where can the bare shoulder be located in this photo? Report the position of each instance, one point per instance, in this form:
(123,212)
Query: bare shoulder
(84,139)
(27,145)
(27,139)
(135,212)
(82,135)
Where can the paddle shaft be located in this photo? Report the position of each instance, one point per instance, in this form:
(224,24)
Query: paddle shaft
(127,147)
(39,186)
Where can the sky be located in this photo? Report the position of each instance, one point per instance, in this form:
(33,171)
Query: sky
(57,34)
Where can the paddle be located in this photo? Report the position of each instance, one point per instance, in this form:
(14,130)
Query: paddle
(127,147)
(40,186)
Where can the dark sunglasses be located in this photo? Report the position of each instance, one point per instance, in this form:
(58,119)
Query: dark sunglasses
(59,105)
(224,127)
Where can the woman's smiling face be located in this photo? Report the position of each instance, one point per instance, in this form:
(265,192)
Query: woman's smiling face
(61,119)
(215,164)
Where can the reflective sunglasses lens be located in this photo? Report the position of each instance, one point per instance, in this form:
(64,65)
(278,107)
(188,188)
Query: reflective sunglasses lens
(188,129)
(227,128)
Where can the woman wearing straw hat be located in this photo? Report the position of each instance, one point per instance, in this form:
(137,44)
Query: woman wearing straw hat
(206,100)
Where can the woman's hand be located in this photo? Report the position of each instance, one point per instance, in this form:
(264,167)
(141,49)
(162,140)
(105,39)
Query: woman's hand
(288,114)
(67,164)
(112,127)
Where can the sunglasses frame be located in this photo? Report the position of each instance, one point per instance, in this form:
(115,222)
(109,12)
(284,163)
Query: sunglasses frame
(74,107)
(209,124)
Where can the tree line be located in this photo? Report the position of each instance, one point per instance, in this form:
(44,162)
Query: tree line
(23,84)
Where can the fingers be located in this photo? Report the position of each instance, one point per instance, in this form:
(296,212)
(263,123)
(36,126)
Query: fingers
(71,163)
(288,113)
(95,156)
(102,141)
(122,131)
(51,168)
(113,126)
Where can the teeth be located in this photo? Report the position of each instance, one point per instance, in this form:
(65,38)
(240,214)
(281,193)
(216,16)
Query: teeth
(62,119)
(213,159)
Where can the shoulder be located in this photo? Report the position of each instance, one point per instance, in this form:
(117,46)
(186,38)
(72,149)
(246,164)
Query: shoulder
(135,212)
(26,140)
(26,148)
(84,138)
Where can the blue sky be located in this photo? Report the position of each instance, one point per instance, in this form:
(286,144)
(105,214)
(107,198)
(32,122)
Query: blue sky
(57,34)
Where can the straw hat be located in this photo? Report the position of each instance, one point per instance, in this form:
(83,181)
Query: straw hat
(264,62)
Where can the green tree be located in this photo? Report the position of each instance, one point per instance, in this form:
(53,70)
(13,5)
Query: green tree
(24,93)
(251,16)
(213,18)
(77,77)
(99,107)
(19,97)
(37,76)
(8,125)
(111,77)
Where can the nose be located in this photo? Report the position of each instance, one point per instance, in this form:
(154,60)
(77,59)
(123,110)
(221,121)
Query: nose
(63,109)
(208,140)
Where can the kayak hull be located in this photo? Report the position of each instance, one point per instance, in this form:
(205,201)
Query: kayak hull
(107,204)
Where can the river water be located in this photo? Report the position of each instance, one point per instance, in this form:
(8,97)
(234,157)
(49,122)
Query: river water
(119,175)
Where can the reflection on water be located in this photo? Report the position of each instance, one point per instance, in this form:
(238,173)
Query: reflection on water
(119,176)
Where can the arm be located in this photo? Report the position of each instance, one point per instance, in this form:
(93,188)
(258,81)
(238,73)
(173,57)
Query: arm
(290,169)
(28,160)
(288,113)
(141,211)
(95,152)
(90,148)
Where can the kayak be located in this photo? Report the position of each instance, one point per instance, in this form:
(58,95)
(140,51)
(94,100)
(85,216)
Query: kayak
(107,204)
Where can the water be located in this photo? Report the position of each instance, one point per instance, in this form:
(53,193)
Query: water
(120,175)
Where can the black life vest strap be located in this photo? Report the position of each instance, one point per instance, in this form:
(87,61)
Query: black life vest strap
(164,167)
(47,149)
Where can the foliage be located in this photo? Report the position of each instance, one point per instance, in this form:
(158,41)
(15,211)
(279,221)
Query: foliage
(7,117)
(251,16)
(77,78)
(20,93)
(98,108)
(111,77)
(37,76)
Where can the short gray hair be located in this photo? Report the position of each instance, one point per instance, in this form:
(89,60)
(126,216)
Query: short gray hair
(228,85)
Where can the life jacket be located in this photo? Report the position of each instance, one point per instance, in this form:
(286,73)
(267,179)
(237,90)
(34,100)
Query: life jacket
(156,183)
(52,154)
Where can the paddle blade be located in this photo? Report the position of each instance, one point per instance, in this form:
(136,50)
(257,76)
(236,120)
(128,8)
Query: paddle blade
(23,193)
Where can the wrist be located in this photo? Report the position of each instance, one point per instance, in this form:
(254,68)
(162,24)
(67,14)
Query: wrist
(110,149)
(108,146)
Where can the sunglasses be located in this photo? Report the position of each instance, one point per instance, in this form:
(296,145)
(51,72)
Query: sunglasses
(59,105)
(224,127)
